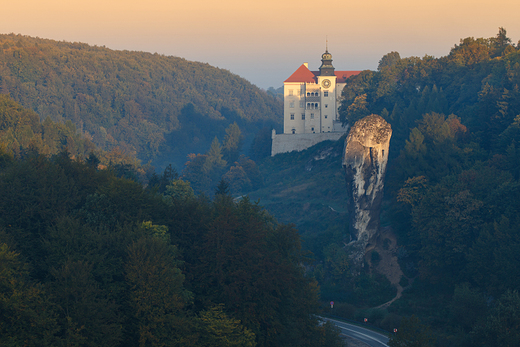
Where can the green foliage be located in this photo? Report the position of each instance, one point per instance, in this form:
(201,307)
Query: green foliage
(96,262)
(220,330)
(179,189)
(232,143)
(388,60)
(21,133)
(411,333)
(25,318)
(501,326)
(468,307)
(157,295)
(357,110)
(262,144)
(205,170)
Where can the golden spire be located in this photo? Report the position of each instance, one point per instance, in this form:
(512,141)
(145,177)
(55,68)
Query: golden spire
(326,44)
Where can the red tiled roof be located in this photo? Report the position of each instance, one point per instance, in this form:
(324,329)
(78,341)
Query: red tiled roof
(303,74)
(341,76)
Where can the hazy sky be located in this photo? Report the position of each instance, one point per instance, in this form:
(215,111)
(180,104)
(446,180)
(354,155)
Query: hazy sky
(266,41)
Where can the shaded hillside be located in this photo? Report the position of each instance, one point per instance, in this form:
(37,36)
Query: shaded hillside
(89,259)
(306,188)
(157,107)
(451,196)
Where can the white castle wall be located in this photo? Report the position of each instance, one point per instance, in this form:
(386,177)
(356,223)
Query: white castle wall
(283,143)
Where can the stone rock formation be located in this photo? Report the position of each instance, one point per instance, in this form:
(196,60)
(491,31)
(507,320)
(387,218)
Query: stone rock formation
(364,161)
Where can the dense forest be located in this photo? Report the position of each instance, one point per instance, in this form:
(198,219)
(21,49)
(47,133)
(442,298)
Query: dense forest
(452,197)
(88,258)
(453,189)
(90,255)
(154,107)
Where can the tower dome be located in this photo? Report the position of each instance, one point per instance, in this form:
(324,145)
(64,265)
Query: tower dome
(326,68)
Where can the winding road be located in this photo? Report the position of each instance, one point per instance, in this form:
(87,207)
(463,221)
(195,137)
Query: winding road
(367,336)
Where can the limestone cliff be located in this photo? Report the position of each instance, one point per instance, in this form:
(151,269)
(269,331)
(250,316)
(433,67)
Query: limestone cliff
(364,161)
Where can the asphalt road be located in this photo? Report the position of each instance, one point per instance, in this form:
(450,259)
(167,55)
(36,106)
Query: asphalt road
(367,336)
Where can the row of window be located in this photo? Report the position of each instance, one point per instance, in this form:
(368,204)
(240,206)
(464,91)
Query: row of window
(293,130)
(303,116)
(310,105)
(325,93)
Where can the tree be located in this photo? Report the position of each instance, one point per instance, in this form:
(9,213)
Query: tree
(222,188)
(179,190)
(388,60)
(26,318)
(502,325)
(157,294)
(357,110)
(221,331)
(239,182)
(232,143)
(468,307)
(500,42)
(411,333)
(88,316)
(470,51)
(262,144)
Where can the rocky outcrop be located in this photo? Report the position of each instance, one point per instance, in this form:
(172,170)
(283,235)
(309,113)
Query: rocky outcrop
(364,161)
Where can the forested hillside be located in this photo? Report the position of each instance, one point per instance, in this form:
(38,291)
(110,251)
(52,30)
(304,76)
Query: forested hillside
(453,183)
(89,259)
(452,196)
(155,107)
(22,134)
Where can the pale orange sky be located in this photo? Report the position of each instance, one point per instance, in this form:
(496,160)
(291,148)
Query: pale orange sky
(265,41)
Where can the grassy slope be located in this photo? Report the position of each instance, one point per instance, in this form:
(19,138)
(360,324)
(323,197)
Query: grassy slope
(303,189)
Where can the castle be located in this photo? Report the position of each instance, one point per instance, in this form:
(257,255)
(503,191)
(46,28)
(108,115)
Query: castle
(311,102)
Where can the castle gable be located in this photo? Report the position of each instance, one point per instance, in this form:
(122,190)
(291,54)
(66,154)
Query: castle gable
(302,74)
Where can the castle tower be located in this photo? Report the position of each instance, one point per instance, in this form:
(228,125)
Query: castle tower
(326,68)
(327,84)
(311,102)
(312,98)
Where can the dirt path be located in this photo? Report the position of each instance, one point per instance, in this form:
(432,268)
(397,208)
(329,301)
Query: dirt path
(386,246)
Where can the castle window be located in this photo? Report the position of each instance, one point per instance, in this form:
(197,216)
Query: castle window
(291,105)
(294,131)
(312,129)
(312,115)
(326,105)
(292,116)
(326,93)
(290,92)
(303,116)
(325,116)
(316,105)
(302,104)
(308,94)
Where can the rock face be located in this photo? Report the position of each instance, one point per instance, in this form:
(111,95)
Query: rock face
(364,161)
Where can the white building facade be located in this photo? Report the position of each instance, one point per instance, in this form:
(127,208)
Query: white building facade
(311,103)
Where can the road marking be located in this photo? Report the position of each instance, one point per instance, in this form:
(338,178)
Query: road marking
(345,326)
